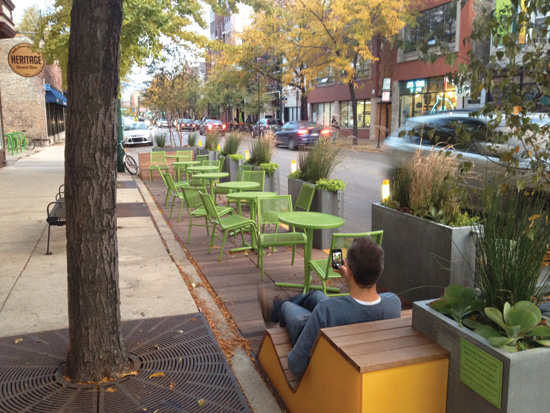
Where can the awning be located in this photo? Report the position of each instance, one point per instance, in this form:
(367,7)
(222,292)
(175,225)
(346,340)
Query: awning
(54,96)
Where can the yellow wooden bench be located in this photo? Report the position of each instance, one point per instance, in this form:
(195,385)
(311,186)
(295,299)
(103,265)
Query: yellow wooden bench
(380,366)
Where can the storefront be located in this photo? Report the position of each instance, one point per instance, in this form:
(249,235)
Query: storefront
(425,96)
(322,113)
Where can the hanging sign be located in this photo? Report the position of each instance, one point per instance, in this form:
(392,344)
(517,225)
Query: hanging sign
(24,61)
(416,86)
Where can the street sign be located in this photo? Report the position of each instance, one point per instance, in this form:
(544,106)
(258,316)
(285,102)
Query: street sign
(386,83)
(24,61)
(46,86)
(386,97)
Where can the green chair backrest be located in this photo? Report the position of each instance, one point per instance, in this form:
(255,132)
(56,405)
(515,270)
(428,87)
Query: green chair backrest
(161,172)
(270,208)
(305,197)
(169,181)
(211,163)
(184,155)
(255,176)
(201,158)
(241,169)
(210,208)
(221,159)
(192,198)
(343,241)
(158,158)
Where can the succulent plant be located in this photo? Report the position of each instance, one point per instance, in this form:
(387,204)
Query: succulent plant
(458,302)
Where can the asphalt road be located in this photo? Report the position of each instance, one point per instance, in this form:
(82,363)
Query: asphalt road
(362,171)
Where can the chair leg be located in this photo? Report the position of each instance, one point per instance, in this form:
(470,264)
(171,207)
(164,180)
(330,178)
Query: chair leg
(212,238)
(190,226)
(206,224)
(223,245)
(261,259)
(171,209)
(166,200)
(293,253)
(181,207)
(150,175)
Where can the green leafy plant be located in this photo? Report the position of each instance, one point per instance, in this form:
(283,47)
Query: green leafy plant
(212,141)
(269,168)
(192,139)
(318,162)
(262,150)
(159,139)
(330,185)
(520,326)
(236,156)
(458,301)
(232,142)
(295,175)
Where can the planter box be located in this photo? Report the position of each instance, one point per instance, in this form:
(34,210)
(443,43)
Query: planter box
(271,182)
(231,166)
(524,383)
(323,201)
(171,149)
(423,255)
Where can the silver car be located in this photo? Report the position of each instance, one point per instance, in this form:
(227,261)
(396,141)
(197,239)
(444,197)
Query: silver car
(137,133)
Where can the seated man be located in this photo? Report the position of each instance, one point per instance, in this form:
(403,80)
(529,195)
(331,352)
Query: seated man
(305,315)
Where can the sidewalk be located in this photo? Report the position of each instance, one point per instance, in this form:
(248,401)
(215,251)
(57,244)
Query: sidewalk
(154,270)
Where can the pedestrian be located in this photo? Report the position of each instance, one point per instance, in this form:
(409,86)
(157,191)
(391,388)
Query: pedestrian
(335,128)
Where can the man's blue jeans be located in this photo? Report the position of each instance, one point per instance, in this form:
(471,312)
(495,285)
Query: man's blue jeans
(296,312)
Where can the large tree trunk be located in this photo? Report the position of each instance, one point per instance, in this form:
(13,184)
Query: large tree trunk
(96,346)
(351,85)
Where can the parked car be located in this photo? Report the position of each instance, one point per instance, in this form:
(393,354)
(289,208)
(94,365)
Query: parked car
(186,124)
(266,124)
(299,133)
(162,123)
(137,133)
(196,124)
(211,125)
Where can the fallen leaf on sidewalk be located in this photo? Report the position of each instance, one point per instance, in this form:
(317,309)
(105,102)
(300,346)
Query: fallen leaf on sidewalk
(110,390)
(172,385)
(201,402)
(130,373)
(158,374)
(18,340)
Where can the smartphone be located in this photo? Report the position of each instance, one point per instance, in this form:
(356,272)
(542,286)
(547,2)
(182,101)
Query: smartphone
(337,260)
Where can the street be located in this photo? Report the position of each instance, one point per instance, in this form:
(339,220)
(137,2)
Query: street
(362,171)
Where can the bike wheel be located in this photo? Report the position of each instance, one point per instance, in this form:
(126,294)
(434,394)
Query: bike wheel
(131,165)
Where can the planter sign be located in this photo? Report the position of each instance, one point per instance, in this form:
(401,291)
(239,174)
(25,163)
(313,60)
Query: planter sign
(24,61)
(481,372)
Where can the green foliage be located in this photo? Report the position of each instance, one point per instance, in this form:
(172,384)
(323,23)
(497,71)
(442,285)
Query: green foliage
(511,245)
(232,142)
(295,175)
(458,302)
(319,161)
(192,139)
(269,168)
(212,141)
(160,139)
(262,151)
(519,326)
(236,156)
(330,185)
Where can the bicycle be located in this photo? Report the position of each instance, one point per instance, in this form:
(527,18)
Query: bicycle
(130,163)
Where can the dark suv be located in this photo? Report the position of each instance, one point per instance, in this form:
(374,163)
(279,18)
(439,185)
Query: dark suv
(266,124)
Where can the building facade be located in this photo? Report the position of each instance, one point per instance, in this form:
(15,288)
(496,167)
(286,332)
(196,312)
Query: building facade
(7,31)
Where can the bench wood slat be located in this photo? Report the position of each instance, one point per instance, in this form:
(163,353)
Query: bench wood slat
(375,336)
(358,350)
(367,327)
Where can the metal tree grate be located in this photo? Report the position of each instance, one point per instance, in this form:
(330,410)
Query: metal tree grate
(180,351)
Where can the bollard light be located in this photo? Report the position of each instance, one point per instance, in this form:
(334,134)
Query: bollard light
(219,148)
(200,143)
(246,155)
(293,166)
(385,189)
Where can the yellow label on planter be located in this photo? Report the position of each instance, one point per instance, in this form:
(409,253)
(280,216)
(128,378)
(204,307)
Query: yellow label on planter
(481,372)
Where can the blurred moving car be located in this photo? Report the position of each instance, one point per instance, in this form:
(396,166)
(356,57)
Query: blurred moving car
(186,124)
(137,133)
(264,125)
(212,125)
(197,124)
(162,123)
(299,133)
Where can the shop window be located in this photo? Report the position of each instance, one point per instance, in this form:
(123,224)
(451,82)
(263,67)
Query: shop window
(363,114)
(434,24)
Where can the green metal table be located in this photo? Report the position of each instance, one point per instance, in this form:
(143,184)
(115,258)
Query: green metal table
(211,176)
(309,221)
(184,165)
(240,185)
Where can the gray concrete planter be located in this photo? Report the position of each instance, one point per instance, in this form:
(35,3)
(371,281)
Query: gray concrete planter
(323,201)
(524,383)
(271,181)
(231,166)
(423,255)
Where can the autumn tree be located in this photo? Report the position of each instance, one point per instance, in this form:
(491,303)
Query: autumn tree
(30,22)
(96,346)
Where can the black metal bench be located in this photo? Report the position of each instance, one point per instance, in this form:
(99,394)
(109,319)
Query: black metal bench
(56,214)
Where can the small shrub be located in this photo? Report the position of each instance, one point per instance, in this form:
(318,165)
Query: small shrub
(319,162)
(212,141)
(269,168)
(262,150)
(236,156)
(295,175)
(232,142)
(192,139)
(160,139)
(330,185)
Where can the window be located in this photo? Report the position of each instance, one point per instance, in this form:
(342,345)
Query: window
(363,114)
(325,77)
(438,23)
(321,113)
(363,69)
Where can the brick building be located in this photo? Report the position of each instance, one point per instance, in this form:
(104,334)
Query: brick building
(7,31)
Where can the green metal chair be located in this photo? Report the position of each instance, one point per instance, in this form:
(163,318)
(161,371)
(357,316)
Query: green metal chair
(305,197)
(168,191)
(231,223)
(195,208)
(225,191)
(323,268)
(157,159)
(268,214)
(221,159)
(255,176)
(201,158)
(175,192)
(182,156)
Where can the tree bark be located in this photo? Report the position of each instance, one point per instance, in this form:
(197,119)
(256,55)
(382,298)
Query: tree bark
(96,346)
(353,98)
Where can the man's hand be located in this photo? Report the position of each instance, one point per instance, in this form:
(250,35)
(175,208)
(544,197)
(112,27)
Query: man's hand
(343,271)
